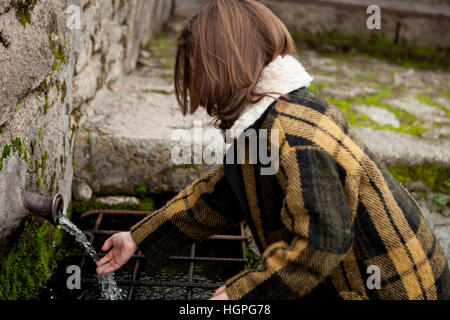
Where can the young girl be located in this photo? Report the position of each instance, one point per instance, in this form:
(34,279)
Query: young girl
(329,217)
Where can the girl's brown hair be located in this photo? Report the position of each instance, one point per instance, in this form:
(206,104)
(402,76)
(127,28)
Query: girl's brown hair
(221,54)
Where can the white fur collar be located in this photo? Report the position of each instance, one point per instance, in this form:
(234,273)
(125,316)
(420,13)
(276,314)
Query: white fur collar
(283,75)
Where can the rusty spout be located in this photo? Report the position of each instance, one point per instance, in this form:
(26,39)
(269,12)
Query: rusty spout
(45,207)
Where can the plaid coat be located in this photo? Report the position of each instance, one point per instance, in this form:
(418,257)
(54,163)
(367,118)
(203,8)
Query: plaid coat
(330,213)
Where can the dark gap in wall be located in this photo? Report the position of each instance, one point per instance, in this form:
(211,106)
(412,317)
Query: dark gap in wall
(5,42)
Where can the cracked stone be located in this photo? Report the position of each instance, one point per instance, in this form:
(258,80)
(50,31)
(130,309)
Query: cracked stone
(420,109)
(81,191)
(118,200)
(380,115)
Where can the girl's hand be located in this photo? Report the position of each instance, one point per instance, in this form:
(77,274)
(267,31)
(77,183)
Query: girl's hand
(123,248)
(220,294)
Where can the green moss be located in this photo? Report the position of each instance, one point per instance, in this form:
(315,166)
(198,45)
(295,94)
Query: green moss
(90,168)
(437,177)
(317,87)
(376,46)
(252,262)
(27,158)
(79,207)
(439,200)
(58,53)
(17,145)
(55,65)
(27,265)
(369,76)
(408,122)
(43,86)
(429,101)
(447,183)
(142,191)
(46,105)
(168,63)
(38,183)
(346,108)
(5,154)
(446,93)
(73,130)
(52,183)
(161,92)
(147,204)
(64,92)
(161,44)
(23,10)
(24,16)
(44,163)
(163,49)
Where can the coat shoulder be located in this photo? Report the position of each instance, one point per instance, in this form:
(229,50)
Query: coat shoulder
(303,110)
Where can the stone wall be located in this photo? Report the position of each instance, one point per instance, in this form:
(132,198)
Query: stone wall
(47,72)
(318,19)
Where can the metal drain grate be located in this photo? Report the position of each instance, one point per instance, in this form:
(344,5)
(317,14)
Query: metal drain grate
(136,259)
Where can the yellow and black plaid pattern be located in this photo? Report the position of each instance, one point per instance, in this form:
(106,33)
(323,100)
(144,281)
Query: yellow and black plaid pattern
(331,212)
(205,208)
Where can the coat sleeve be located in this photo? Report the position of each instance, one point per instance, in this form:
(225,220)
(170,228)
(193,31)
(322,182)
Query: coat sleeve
(315,210)
(206,207)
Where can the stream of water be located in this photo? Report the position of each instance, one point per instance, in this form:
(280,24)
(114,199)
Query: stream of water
(110,290)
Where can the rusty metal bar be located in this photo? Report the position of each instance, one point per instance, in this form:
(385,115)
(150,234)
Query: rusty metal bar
(152,283)
(115,212)
(98,221)
(191,272)
(135,273)
(191,259)
(207,259)
(102,232)
(226,237)
(244,245)
(101,255)
(181,258)
(391,7)
(215,237)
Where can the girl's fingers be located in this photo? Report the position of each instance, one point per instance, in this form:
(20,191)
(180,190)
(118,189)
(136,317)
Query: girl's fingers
(222,296)
(219,291)
(107,244)
(105,259)
(109,267)
(104,269)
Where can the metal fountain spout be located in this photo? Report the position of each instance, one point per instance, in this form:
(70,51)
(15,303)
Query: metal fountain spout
(45,207)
